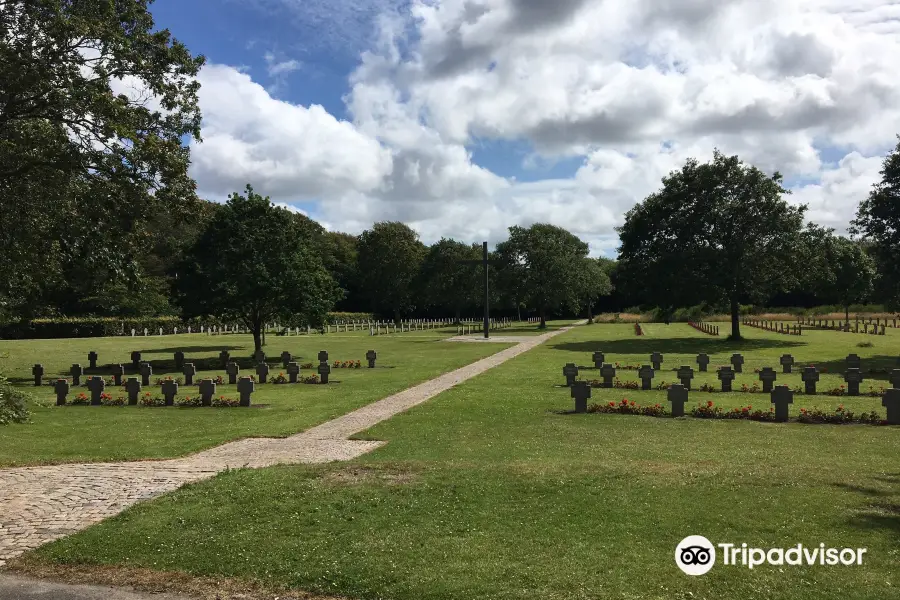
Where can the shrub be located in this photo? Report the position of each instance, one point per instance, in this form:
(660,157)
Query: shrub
(222,402)
(875,392)
(189,401)
(626,385)
(178,380)
(839,416)
(628,407)
(149,399)
(81,399)
(637,329)
(12,404)
(280,378)
(336,317)
(310,379)
(865,345)
(79,327)
(108,400)
(708,410)
(344,364)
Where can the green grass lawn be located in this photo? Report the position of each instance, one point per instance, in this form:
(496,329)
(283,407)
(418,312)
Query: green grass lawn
(488,491)
(85,433)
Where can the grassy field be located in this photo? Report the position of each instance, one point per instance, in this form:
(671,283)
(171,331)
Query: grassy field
(488,491)
(84,433)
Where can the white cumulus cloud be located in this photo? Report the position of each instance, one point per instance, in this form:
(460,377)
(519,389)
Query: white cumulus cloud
(632,87)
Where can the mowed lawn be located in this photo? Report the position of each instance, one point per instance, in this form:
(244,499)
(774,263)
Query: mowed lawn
(86,433)
(490,491)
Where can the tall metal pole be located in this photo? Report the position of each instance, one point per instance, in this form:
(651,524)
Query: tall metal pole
(484,248)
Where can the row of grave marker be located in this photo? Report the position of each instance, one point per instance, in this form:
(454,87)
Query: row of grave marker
(767,375)
(810,375)
(774,326)
(835,324)
(189,369)
(207,389)
(868,327)
(404,325)
(705,327)
(781,396)
(853,361)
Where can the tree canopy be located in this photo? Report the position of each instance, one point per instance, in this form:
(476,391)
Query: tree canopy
(714,231)
(389,257)
(878,222)
(93,108)
(254,263)
(546,260)
(447,282)
(594,283)
(837,270)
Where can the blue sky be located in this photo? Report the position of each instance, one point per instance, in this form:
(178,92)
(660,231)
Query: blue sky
(464,117)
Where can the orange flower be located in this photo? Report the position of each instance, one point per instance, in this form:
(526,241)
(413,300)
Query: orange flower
(709,403)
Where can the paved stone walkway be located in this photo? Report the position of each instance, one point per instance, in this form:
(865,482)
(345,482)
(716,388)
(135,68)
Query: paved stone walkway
(41,504)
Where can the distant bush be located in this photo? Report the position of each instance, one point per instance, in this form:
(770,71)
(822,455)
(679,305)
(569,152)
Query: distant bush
(335,317)
(708,312)
(82,327)
(78,327)
(12,404)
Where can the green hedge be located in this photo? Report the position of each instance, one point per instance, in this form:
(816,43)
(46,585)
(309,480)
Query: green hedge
(81,327)
(336,317)
(78,327)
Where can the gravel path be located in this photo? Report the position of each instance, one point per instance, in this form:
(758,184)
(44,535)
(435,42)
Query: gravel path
(40,504)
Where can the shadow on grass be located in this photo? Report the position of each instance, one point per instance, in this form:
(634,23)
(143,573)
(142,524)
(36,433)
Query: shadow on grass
(874,368)
(882,511)
(187,348)
(672,345)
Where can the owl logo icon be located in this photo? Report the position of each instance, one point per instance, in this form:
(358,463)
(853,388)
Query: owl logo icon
(695,555)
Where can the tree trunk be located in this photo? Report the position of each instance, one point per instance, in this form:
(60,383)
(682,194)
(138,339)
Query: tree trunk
(847,313)
(396,316)
(257,336)
(590,314)
(458,314)
(735,320)
(518,312)
(543,324)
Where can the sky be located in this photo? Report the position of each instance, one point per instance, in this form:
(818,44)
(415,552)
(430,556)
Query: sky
(462,118)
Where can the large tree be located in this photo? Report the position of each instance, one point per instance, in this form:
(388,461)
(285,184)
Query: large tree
(593,283)
(717,231)
(94,106)
(254,263)
(340,257)
(446,281)
(546,260)
(878,223)
(837,270)
(389,256)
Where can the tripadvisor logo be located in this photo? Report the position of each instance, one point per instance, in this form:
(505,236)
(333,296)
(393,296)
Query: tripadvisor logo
(696,555)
